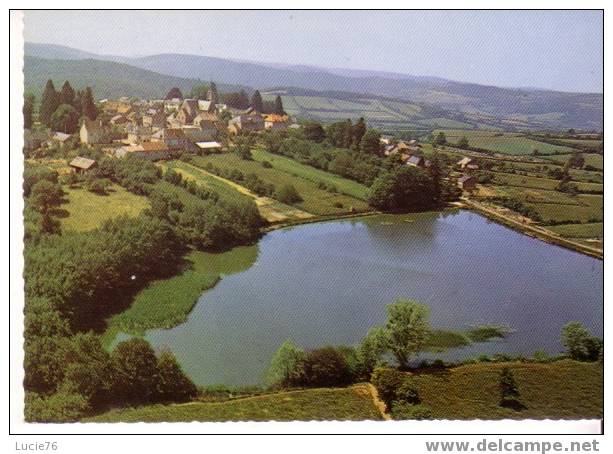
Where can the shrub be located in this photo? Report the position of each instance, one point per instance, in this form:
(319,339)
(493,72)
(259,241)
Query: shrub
(266,165)
(403,410)
(509,391)
(59,407)
(98,186)
(407,392)
(387,381)
(288,194)
(326,366)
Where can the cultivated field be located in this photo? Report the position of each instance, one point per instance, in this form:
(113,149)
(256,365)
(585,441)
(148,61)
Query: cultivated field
(287,165)
(316,201)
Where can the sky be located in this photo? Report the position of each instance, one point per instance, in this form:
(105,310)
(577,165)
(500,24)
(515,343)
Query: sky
(557,50)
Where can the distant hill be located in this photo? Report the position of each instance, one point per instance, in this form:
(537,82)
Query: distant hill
(108,79)
(508,108)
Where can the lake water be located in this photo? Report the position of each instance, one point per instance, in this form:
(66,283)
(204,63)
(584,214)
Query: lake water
(328,283)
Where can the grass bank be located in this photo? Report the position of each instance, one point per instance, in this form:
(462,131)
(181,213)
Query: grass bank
(559,390)
(167,302)
(354,403)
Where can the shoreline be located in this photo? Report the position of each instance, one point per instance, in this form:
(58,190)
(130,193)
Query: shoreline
(529,230)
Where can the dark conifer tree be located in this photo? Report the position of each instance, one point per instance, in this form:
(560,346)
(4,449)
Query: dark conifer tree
(256,102)
(67,94)
(89,107)
(174,93)
(279,106)
(48,103)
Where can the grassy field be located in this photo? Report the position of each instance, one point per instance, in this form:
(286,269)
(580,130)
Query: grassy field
(533,182)
(189,172)
(87,211)
(314,404)
(589,208)
(316,201)
(504,143)
(591,159)
(590,230)
(167,302)
(560,390)
(287,165)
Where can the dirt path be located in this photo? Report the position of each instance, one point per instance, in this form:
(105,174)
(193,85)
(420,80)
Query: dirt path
(532,230)
(377,402)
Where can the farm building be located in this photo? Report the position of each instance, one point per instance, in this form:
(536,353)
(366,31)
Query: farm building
(153,151)
(462,163)
(81,164)
(417,161)
(92,132)
(174,138)
(467,183)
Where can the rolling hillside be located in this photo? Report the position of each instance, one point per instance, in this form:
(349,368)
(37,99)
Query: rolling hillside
(464,102)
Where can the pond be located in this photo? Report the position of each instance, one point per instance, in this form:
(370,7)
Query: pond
(328,283)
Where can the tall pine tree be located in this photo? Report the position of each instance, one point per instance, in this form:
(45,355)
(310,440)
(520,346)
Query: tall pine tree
(256,102)
(89,107)
(67,94)
(358,131)
(213,94)
(48,103)
(279,106)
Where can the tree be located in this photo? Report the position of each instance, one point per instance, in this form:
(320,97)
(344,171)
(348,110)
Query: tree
(402,188)
(314,131)
(372,348)
(359,129)
(462,143)
(173,385)
(408,329)
(88,106)
(256,101)
(213,95)
(50,101)
(199,91)
(288,194)
(65,119)
(173,93)
(28,110)
(136,372)
(59,407)
(67,94)
(45,195)
(325,366)
(284,369)
(579,342)
(509,391)
(576,160)
(278,109)
(371,142)
(440,139)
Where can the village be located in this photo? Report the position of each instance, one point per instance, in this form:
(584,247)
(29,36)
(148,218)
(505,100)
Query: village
(164,129)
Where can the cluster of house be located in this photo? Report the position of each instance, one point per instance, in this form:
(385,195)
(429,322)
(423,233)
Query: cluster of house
(409,154)
(406,152)
(157,129)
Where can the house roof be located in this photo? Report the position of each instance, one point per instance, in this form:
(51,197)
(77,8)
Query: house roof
(415,160)
(150,147)
(82,163)
(464,161)
(274,118)
(61,136)
(173,133)
(208,145)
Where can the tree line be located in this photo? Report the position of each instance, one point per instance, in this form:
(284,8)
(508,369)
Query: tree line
(61,110)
